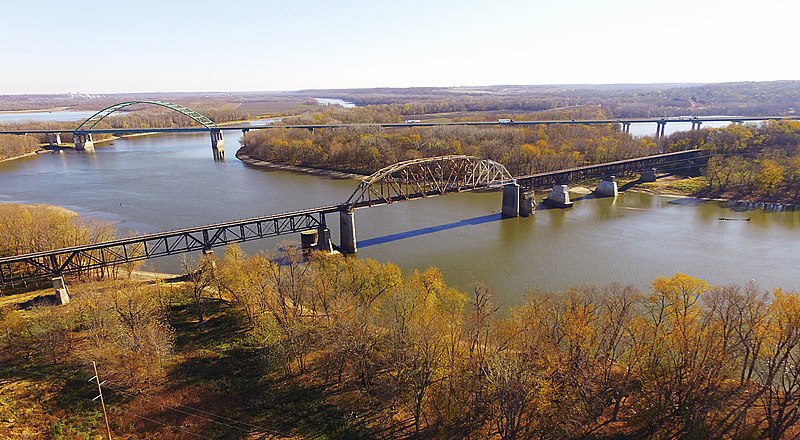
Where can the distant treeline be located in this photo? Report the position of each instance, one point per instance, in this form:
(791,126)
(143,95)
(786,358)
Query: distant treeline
(647,100)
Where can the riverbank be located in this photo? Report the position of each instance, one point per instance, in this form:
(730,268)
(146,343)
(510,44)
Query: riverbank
(296,169)
(21,156)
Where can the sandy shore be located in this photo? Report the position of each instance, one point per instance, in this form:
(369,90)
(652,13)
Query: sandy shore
(9,159)
(316,171)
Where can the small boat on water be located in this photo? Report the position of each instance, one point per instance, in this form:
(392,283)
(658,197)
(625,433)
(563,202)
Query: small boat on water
(742,219)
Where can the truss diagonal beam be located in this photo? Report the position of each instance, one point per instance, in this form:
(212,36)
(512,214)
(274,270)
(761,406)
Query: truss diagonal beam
(80,259)
(417,178)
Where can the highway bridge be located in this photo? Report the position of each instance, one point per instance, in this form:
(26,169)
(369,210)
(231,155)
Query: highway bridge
(83,140)
(404,181)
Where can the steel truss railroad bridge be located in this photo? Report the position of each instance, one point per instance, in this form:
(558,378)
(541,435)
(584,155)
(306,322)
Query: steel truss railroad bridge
(403,181)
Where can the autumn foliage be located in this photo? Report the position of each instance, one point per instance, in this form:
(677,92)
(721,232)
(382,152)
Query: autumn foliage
(686,359)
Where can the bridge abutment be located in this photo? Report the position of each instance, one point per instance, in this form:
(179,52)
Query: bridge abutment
(607,187)
(559,197)
(347,231)
(60,287)
(84,142)
(217,145)
(511,196)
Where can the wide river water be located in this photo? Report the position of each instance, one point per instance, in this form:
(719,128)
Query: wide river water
(157,183)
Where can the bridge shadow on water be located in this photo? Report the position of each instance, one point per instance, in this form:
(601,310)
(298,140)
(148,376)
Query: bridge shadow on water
(430,230)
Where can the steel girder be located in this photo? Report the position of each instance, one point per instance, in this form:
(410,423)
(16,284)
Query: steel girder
(431,176)
(80,259)
(102,114)
(666,161)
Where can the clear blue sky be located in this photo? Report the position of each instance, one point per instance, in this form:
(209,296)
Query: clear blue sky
(167,45)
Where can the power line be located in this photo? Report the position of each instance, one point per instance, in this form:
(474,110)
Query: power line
(174,408)
(167,407)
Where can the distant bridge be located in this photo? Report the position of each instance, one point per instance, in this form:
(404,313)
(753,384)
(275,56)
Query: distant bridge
(82,135)
(403,181)
(84,131)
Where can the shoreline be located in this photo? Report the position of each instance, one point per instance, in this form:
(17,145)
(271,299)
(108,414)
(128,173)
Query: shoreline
(21,156)
(297,169)
(53,109)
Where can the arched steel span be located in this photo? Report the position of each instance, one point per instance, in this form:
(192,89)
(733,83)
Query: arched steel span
(425,177)
(102,114)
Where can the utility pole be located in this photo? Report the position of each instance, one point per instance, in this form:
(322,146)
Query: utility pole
(96,378)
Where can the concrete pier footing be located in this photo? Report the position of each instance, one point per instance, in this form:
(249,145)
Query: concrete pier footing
(60,287)
(217,145)
(511,200)
(607,187)
(559,197)
(84,142)
(347,232)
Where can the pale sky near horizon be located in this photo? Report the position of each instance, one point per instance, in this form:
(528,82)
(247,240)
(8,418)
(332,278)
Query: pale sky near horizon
(232,45)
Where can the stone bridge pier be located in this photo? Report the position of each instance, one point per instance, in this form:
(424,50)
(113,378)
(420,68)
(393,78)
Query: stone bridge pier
(217,145)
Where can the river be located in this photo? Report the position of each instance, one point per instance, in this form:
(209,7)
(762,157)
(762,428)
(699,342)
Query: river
(157,183)
(649,128)
(44,116)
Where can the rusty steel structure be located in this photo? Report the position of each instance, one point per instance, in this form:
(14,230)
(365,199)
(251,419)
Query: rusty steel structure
(432,176)
(665,162)
(81,259)
(403,181)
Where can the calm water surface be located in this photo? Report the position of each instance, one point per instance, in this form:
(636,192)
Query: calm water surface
(59,115)
(158,183)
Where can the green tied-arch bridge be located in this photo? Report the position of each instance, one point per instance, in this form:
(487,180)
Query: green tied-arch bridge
(83,133)
(102,114)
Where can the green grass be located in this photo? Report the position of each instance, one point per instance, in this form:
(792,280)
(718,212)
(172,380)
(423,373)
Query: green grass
(688,186)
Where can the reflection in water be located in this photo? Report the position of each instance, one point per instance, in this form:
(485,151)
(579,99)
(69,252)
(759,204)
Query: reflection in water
(157,183)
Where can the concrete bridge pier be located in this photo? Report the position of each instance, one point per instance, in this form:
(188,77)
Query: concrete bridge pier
(60,287)
(660,126)
(625,127)
(607,187)
(696,125)
(347,231)
(559,197)
(511,196)
(84,142)
(324,239)
(217,145)
(54,139)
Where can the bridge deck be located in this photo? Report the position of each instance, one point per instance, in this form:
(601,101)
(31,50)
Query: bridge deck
(83,258)
(78,259)
(409,124)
